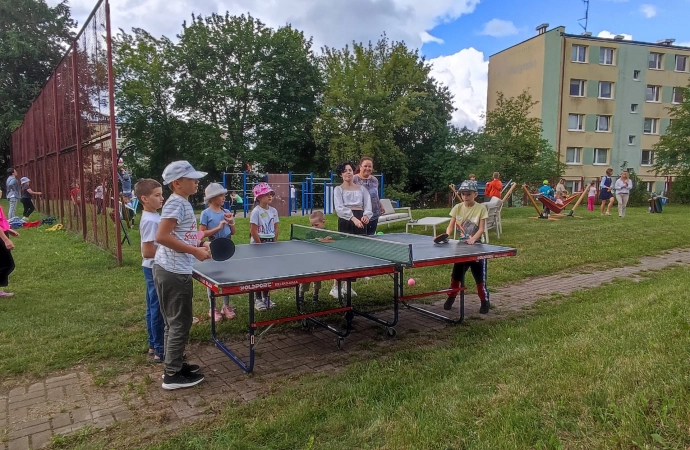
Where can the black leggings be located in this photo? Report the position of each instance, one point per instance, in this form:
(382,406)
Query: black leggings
(348,226)
(28,206)
(6,263)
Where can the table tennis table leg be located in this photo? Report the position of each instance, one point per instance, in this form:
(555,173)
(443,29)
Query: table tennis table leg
(348,317)
(397,290)
(434,315)
(229,353)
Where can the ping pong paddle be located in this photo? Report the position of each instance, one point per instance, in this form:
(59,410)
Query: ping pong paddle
(222,249)
(441,238)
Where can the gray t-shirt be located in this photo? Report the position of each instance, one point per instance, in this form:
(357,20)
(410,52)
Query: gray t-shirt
(181,210)
(12,187)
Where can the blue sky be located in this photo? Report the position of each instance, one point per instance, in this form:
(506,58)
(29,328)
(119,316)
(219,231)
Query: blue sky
(456,36)
(645,20)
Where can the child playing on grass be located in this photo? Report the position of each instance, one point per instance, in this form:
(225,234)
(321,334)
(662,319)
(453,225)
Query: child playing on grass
(150,194)
(470,217)
(546,191)
(591,195)
(217,223)
(263,227)
(6,247)
(178,245)
(317,220)
(27,197)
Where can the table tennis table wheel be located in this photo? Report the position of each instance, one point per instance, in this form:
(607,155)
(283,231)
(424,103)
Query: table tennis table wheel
(390,332)
(305,324)
(340,342)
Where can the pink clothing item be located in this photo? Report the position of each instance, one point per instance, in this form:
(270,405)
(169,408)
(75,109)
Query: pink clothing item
(590,203)
(4,224)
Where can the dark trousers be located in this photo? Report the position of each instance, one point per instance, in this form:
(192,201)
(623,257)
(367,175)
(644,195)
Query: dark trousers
(348,226)
(175,292)
(6,264)
(371,226)
(28,206)
(478,269)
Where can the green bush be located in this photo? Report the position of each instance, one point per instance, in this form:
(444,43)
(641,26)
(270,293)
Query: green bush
(680,190)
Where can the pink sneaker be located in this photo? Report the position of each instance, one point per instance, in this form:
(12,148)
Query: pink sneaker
(6,294)
(228,312)
(215,314)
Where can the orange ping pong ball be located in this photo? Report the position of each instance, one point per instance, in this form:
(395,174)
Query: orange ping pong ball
(410,282)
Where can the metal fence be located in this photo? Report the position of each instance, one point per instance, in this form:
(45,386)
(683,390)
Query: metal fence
(66,143)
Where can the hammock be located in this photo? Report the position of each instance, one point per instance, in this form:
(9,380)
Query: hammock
(548,203)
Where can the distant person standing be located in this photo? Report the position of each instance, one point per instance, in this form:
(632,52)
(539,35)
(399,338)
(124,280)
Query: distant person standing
(591,196)
(125,180)
(13,192)
(560,187)
(493,187)
(236,201)
(293,198)
(371,184)
(623,186)
(98,196)
(605,194)
(27,197)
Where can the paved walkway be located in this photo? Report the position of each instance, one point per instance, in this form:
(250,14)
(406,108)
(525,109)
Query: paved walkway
(31,414)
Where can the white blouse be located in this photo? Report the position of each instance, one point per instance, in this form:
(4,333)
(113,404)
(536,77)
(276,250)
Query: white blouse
(346,200)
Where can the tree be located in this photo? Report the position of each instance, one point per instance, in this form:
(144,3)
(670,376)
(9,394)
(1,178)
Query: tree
(672,152)
(368,96)
(511,143)
(33,39)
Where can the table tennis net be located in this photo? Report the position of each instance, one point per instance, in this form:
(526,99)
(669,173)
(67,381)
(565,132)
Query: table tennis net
(376,248)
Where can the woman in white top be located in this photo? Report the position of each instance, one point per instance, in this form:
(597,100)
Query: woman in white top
(623,186)
(352,202)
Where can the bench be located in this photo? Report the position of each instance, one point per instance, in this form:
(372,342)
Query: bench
(392,214)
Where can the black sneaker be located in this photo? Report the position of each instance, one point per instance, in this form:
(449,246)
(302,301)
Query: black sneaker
(449,302)
(180,380)
(188,369)
(484,309)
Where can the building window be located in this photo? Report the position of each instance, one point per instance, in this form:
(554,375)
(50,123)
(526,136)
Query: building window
(677,95)
(636,75)
(655,61)
(631,139)
(652,93)
(573,155)
(606,56)
(573,186)
(633,108)
(649,185)
(577,88)
(605,89)
(681,63)
(579,53)
(651,126)
(601,156)
(647,158)
(603,123)
(576,122)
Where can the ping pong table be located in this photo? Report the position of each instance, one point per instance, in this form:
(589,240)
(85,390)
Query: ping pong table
(319,255)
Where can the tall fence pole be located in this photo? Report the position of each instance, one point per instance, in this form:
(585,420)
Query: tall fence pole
(113,137)
(77,116)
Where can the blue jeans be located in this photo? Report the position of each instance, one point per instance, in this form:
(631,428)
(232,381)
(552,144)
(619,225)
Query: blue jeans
(371,227)
(154,319)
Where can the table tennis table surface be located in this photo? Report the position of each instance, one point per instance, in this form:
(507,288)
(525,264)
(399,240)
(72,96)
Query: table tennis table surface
(289,260)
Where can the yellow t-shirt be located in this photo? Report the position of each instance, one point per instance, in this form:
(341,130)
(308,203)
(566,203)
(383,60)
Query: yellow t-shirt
(469,218)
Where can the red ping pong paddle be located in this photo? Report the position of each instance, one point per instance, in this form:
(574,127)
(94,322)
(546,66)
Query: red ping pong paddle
(222,249)
(441,238)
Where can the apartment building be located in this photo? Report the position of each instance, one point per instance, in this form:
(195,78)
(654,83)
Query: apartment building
(602,101)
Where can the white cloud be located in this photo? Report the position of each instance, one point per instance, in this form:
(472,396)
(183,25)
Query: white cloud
(682,44)
(648,10)
(334,22)
(499,28)
(608,35)
(426,37)
(465,73)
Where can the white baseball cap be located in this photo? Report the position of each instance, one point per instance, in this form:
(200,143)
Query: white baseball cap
(214,190)
(180,169)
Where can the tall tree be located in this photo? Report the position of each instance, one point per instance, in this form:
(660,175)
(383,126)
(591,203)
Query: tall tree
(33,39)
(511,143)
(672,152)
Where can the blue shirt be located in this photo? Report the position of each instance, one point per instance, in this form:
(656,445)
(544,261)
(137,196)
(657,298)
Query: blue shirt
(211,219)
(546,190)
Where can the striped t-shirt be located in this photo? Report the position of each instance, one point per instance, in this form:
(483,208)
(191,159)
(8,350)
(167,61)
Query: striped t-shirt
(181,210)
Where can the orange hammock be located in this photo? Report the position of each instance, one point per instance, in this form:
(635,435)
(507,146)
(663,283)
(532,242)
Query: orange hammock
(548,203)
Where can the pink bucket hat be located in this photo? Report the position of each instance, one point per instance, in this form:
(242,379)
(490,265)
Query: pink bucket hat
(262,189)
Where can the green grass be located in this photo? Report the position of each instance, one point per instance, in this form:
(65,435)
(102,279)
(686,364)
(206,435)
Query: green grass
(74,304)
(603,369)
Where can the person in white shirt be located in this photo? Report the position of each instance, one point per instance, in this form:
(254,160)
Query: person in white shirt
(623,186)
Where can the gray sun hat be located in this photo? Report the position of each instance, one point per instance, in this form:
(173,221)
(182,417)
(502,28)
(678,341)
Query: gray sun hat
(468,186)
(24,180)
(180,169)
(214,190)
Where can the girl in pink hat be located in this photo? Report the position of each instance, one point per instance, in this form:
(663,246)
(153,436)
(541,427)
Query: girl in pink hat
(263,227)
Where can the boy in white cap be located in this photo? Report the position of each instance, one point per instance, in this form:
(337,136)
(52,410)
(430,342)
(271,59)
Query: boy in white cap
(178,245)
(216,222)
